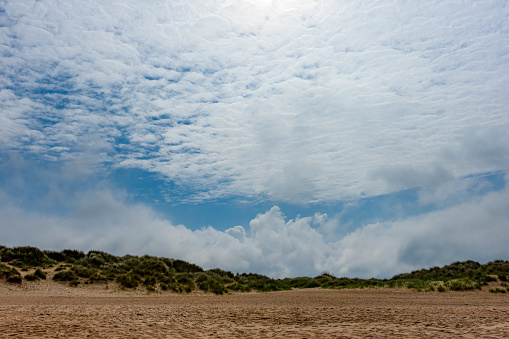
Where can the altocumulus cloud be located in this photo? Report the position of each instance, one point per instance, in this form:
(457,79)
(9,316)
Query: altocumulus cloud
(290,100)
(295,101)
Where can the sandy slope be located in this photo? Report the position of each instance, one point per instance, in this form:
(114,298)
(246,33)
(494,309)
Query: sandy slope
(47,309)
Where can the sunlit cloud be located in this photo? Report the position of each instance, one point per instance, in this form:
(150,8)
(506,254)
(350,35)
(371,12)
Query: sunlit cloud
(337,101)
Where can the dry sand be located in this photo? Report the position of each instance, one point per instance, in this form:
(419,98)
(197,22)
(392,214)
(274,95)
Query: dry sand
(50,310)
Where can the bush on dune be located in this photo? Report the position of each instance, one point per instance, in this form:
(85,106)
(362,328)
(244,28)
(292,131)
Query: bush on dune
(37,275)
(67,276)
(25,256)
(10,274)
(164,274)
(181,266)
(129,280)
(83,271)
(211,282)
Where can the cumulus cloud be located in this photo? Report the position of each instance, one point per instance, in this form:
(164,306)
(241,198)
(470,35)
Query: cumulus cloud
(271,244)
(296,100)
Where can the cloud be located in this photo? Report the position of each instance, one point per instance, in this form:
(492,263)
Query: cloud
(474,229)
(299,101)
(411,176)
(101,218)
(295,102)
(454,192)
(238,232)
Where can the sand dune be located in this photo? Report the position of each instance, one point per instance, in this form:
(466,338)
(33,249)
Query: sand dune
(49,310)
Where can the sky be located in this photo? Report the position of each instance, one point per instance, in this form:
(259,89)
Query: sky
(287,138)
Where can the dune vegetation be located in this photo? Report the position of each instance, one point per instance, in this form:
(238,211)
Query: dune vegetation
(26,264)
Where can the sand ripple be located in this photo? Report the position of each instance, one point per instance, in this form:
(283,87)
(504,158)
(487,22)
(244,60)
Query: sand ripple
(293,314)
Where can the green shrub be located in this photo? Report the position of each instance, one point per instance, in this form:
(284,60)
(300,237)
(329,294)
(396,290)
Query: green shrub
(239,287)
(182,266)
(99,278)
(31,277)
(96,259)
(463,285)
(57,256)
(38,274)
(167,279)
(272,287)
(454,270)
(325,278)
(186,280)
(102,257)
(498,290)
(260,282)
(26,256)
(210,282)
(176,287)
(489,278)
(497,267)
(72,255)
(299,282)
(150,266)
(127,263)
(6,254)
(218,288)
(201,277)
(149,281)
(84,272)
(394,283)
(312,283)
(129,280)
(11,275)
(14,279)
(65,276)
(4,270)
(221,273)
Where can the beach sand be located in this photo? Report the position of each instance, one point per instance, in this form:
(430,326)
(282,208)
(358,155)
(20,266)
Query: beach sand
(48,310)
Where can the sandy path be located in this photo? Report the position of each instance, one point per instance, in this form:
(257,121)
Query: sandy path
(388,313)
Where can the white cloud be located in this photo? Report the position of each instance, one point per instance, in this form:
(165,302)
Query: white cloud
(453,192)
(411,176)
(272,245)
(238,232)
(298,101)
